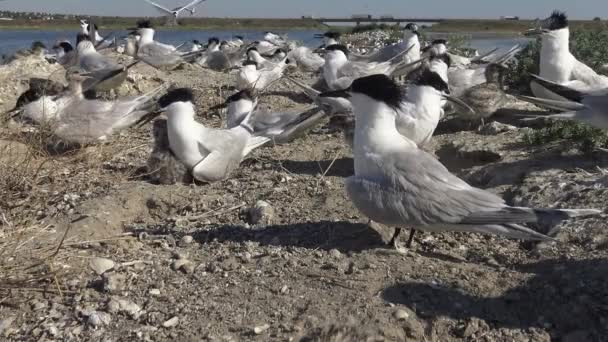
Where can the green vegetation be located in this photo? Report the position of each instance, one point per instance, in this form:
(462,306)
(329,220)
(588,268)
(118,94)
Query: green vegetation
(503,26)
(585,137)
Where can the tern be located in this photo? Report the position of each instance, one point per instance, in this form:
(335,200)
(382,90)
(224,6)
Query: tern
(190,7)
(281,127)
(339,72)
(250,77)
(75,119)
(65,54)
(590,108)
(210,154)
(157,54)
(487,98)
(99,66)
(398,184)
(557,64)
(306,59)
(410,43)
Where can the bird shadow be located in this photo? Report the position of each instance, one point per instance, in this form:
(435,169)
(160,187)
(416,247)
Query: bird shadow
(561,296)
(342,167)
(324,235)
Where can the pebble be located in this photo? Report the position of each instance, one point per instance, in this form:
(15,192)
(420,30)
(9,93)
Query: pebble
(260,329)
(98,319)
(494,128)
(171,322)
(116,305)
(262,212)
(154,292)
(101,265)
(335,253)
(401,315)
(186,240)
(5,324)
(114,282)
(182,265)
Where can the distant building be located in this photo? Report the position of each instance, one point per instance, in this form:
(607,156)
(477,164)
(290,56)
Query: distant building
(387,17)
(361,16)
(509,17)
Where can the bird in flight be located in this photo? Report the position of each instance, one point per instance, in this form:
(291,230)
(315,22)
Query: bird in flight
(191,7)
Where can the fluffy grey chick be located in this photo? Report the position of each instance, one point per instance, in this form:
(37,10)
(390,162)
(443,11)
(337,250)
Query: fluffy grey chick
(163,167)
(488,97)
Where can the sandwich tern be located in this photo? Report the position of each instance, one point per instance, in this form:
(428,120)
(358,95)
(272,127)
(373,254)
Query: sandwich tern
(190,7)
(99,66)
(157,54)
(250,77)
(210,154)
(339,72)
(281,127)
(75,119)
(410,43)
(487,98)
(398,184)
(557,64)
(306,59)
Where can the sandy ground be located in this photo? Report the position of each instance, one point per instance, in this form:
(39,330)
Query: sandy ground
(189,262)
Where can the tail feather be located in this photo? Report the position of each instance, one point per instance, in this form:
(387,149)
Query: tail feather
(561,90)
(308,91)
(508,55)
(481,58)
(552,104)
(404,68)
(253,143)
(549,219)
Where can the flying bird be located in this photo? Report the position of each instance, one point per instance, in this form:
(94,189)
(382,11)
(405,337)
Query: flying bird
(191,7)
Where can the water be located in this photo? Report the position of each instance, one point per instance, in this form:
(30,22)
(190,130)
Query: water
(11,41)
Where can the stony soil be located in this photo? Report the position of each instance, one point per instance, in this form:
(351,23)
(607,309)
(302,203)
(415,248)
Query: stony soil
(278,252)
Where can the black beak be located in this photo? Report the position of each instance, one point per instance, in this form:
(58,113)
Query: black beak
(345,93)
(219,106)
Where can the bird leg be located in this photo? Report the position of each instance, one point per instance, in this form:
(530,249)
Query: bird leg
(393,241)
(411,238)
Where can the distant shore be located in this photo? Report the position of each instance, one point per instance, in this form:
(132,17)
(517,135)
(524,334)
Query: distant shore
(492,27)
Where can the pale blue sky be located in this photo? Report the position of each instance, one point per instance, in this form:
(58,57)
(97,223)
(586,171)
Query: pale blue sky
(576,9)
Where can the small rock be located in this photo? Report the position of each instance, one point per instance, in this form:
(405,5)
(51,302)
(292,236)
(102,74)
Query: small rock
(123,305)
(154,292)
(401,315)
(494,128)
(261,329)
(181,265)
(186,240)
(5,324)
(335,254)
(284,289)
(114,282)
(171,322)
(262,213)
(98,319)
(101,265)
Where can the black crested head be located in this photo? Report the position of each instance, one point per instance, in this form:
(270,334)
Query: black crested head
(176,95)
(412,27)
(337,47)
(144,24)
(94,25)
(278,52)
(557,21)
(252,49)
(66,46)
(196,42)
(213,40)
(250,62)
(223,43)
(379,87)
(445,58)
(287,61)
(439,41)
(332,35)
(81,37)
(239,37)
(241,95)
(430,78)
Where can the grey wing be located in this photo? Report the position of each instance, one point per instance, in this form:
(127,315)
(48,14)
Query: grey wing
(417,189)
(158,55)
(96,62)
(355,70)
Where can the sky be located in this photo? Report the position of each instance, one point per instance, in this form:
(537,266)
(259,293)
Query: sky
(576,9)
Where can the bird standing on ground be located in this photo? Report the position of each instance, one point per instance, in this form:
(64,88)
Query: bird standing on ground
(398,184)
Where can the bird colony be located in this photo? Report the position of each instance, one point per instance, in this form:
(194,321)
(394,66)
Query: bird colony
(386,101)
